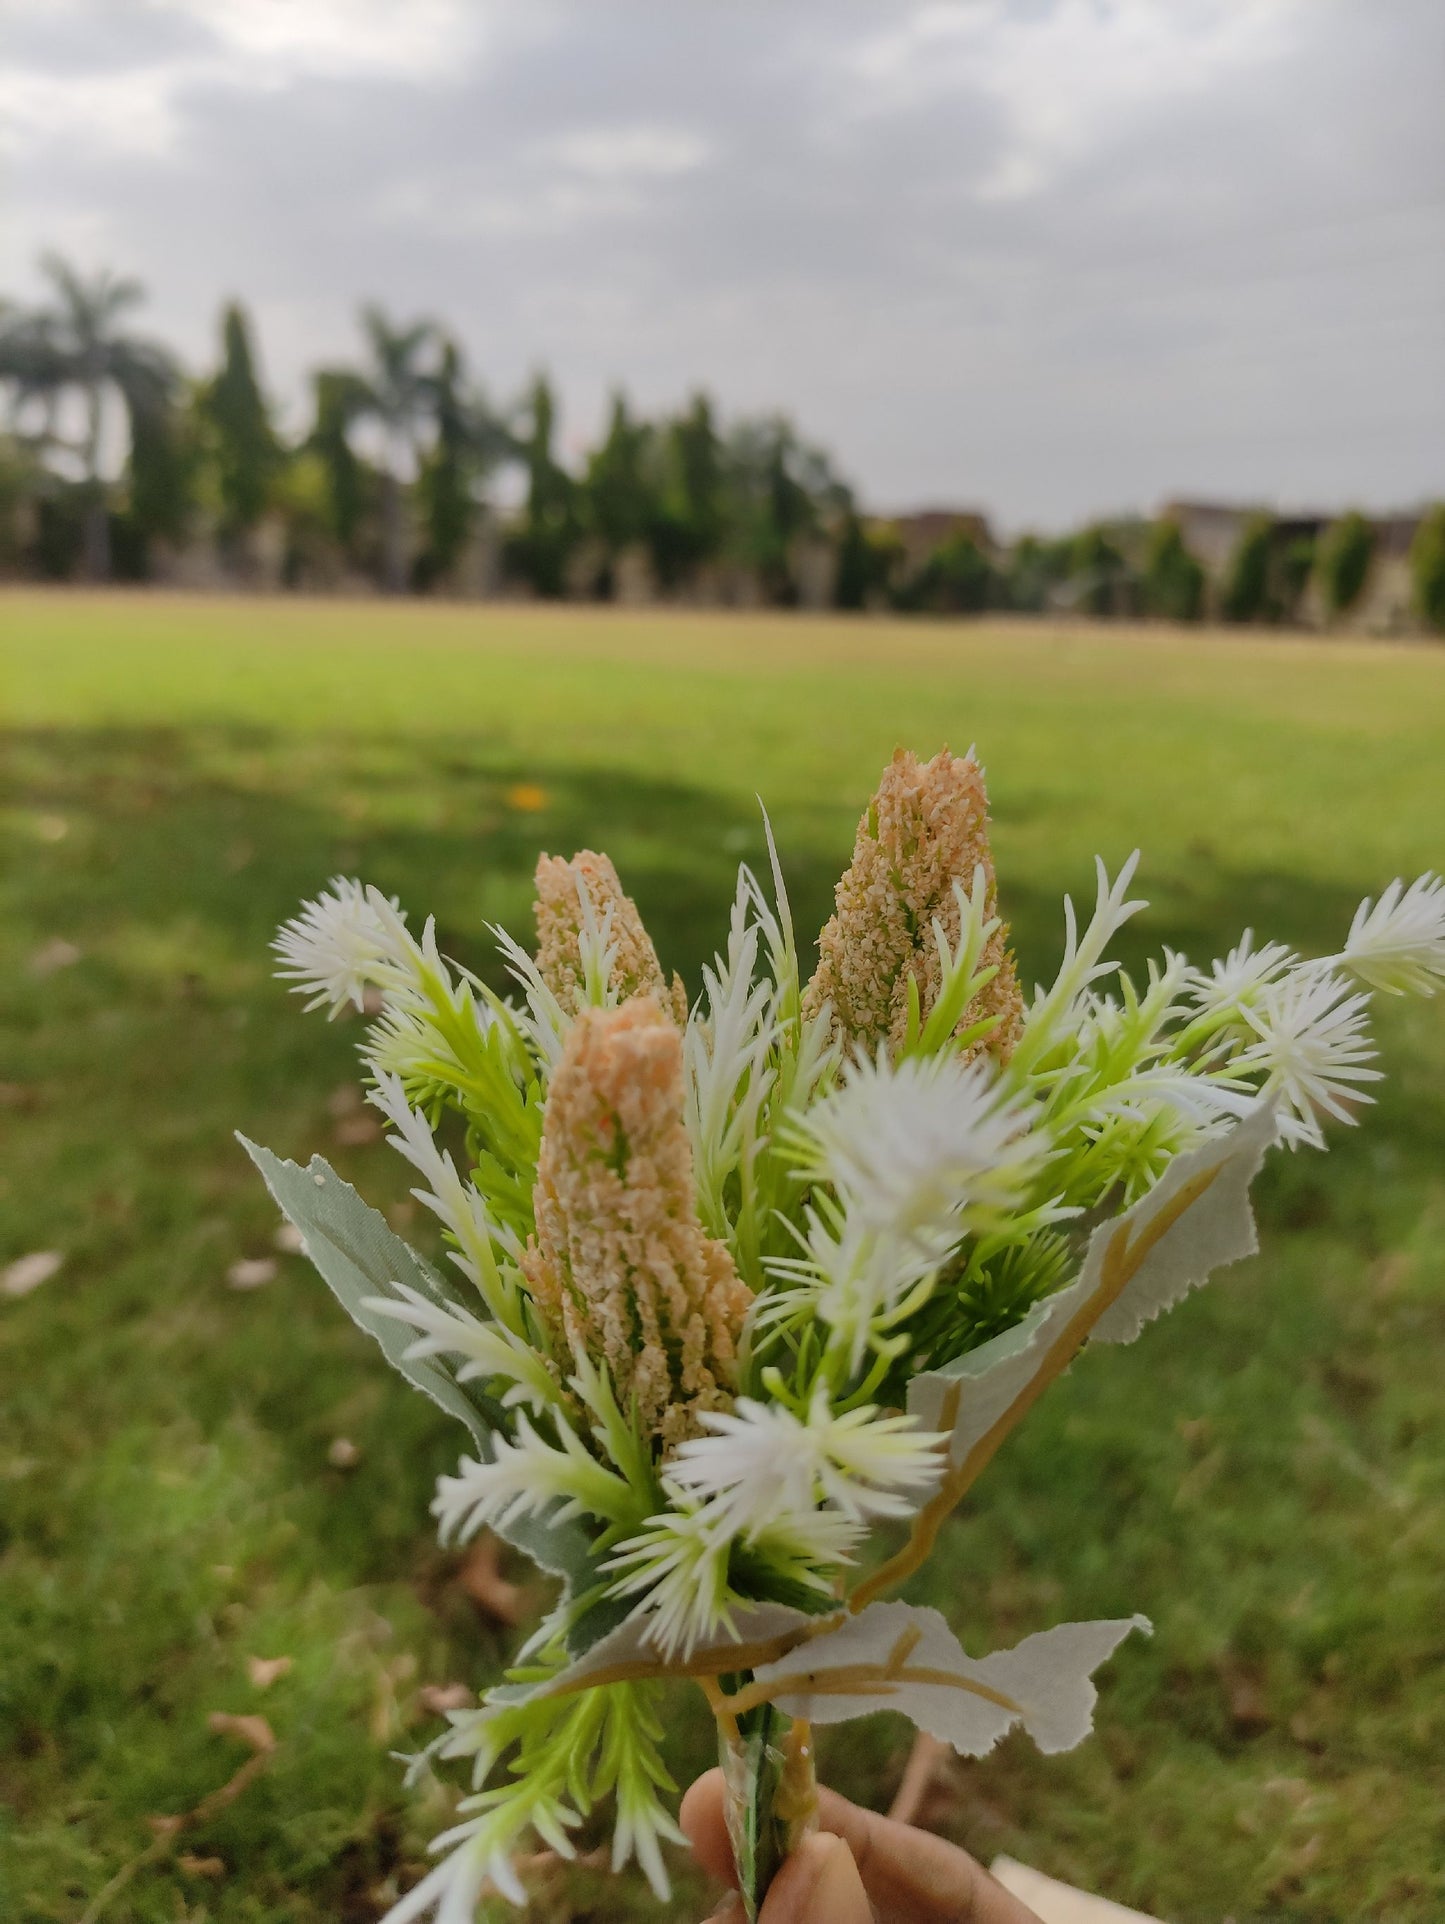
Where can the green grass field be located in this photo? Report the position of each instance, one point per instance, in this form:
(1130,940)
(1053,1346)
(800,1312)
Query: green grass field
(1263,1474)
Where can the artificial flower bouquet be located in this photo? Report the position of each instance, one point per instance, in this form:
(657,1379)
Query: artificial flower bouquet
(735,1279)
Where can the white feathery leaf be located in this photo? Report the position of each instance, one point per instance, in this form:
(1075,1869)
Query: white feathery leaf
(1397,945)
(488,1349)
(349,939)
(1055,1012)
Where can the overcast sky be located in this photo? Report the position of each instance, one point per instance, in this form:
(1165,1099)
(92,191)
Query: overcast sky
(1056,257)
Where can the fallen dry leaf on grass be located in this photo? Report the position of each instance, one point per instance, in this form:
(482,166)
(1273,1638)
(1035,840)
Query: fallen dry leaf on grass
(195,1866)
(251,1730)
(439,1698)
(51,956)
(354,1121)
(166,1827)
(263,1671)
(29,1272)
(481,1577)
(1244,1693)
(387,1720)
(251,1272)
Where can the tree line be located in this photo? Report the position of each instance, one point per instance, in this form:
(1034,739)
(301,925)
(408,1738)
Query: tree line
(113,455)
(114,460)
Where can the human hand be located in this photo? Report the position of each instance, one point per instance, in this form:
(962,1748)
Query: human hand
(859,1868)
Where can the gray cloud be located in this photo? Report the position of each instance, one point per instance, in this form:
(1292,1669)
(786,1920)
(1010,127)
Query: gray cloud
(1057,256)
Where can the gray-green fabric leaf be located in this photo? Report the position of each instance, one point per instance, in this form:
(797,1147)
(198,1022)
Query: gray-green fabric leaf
(359,1255)
(896,1656)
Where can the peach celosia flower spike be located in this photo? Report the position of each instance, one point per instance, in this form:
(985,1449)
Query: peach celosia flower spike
(924,830)
(620,1267)
(560,920)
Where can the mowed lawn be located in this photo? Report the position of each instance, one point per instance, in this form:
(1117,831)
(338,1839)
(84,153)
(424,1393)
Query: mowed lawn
(1263,1474)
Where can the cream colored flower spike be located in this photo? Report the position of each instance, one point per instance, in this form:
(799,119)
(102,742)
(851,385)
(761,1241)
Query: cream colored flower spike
(924,830)
(620,1266)
(561,922)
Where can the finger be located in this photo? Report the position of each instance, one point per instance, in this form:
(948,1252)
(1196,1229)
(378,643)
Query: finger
(819,1884)
(910,1875)
(913,1876)
(702,1818)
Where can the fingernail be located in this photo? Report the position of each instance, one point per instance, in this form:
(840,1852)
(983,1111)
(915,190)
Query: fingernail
(839,1896)
(824,1886)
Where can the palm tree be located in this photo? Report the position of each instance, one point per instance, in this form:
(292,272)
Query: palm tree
(399,394)
(468,443)
(77,345)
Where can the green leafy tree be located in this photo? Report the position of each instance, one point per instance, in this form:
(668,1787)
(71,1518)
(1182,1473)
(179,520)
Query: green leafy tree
(78,345)
(244,450)
(162,485)
(468,443)
(1246,593)
(690,512)
(619,491)
(540,549)
(957,578)
(698,454)
(305,498)
(870,556)
(340,401)
(1173,580)
(1345,553)
(1026,579)
(1427,567)
(21,481)
(778,490)
(1035,571)
(1099,578)
(1294,565)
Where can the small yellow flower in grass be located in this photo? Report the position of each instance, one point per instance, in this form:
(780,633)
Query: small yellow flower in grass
(925,830)
(620,1267)
(590,938)
(526,798)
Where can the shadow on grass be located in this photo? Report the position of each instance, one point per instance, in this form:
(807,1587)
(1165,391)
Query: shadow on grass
(237,823)
(169,857)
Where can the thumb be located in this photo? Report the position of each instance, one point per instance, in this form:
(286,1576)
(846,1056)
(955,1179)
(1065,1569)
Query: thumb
(819,1884)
